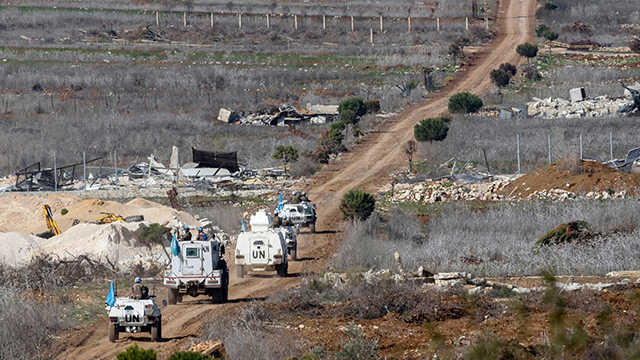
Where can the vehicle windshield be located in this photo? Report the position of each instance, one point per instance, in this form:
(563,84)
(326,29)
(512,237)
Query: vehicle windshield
(192,252)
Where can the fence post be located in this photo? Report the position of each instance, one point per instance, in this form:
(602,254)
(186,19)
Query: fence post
(611,145)
(55,172)
(371,35)
(409,24)
(268,24)
(518,146)
(295,21)
(115,165)
(212,20)
(549,142)
(381,28)
(352,28)
(184,19)
(466,23)
(84,169)
(580,146)
(239,21)
(324,22)
(157,18)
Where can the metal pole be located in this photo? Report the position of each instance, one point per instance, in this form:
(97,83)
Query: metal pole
(580,146)
(549,141)
(55,172)
(84,169)
(115,165)
(611,144)
(518,145)
(485,161)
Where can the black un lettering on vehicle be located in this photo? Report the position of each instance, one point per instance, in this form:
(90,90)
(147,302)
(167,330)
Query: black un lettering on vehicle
(259,254)
(132,318)
(205,249)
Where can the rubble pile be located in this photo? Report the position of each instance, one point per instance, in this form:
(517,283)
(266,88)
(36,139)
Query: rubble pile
(285,115)
(445,190)
(444,281)
(558,108)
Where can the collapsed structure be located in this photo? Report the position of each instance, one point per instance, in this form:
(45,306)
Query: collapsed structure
(285,115)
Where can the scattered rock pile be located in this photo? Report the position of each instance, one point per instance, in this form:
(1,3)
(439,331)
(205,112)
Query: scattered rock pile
(444,281)
(557,108)
(211,348)
(444,190)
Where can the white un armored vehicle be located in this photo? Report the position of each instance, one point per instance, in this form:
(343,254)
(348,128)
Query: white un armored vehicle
(133,316)
(291,240)
(263,248)
(198,269)
(299,215)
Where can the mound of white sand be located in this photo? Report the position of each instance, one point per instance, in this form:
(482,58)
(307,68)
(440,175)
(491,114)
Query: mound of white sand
(110,243)
(16,249)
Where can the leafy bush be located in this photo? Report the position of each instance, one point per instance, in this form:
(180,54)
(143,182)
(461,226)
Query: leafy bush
(373,106)
(510,68)
(286,153)
(136,353)
(351,110)
(189,355)
(527,50)
(356,347)
(566,233)
(330,142)
(464,102)
(431,129)
(357,205)
(152,234)
(550,35)
(64,211)
(500,77)
(541,29)
(549,6)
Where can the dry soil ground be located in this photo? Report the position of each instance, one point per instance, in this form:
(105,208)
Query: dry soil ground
(365,166)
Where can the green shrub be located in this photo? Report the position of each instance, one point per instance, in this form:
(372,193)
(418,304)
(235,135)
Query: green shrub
(152,234)
(351,110)
(373,106)
(549,6)
(189,355)
(356,347)
(464,102)
(357,205)
(566,233)
(136,353)
(527,50)
(541,29)
(432,129)
(500,77)
(550,35)
(510,68)
(64,211)
(286,153)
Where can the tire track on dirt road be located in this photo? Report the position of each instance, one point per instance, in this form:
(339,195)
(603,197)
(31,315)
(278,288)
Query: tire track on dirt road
(365,166)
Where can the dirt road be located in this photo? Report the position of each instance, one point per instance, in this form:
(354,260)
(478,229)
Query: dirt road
(366,165)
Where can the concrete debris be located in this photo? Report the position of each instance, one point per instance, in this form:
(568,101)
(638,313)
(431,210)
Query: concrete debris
(285,115)
(447,191)
(577,94)
(211,348)
(558,108)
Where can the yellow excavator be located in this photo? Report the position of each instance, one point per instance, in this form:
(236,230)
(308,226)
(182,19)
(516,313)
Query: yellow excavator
(51,224)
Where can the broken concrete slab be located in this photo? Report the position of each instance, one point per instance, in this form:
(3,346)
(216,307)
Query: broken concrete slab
(228,116)
(577,94)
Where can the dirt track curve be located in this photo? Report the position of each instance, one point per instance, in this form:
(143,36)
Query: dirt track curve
(365,166)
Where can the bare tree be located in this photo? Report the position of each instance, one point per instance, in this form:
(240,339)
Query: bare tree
(410,149)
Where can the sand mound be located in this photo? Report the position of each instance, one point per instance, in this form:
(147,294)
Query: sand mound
(24,213)
(16,248)
(577,176)
(110,243)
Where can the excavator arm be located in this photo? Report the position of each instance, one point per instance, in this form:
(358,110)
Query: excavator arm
(51,224)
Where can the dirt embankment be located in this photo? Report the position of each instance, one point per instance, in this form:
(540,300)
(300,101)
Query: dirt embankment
(578,176)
